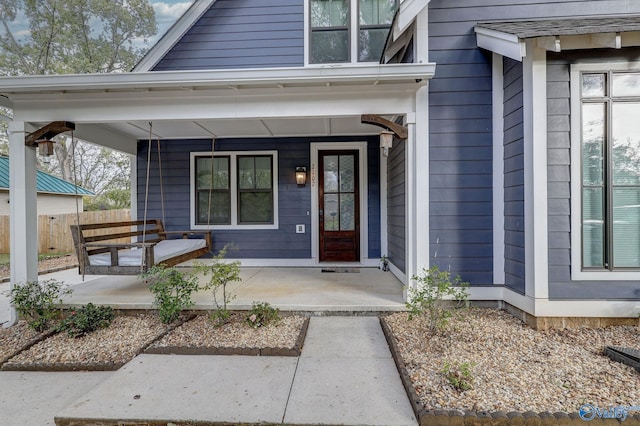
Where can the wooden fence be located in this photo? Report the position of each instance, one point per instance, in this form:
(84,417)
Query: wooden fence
(54,233)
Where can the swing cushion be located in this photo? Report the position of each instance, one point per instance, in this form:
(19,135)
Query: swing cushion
(163,250)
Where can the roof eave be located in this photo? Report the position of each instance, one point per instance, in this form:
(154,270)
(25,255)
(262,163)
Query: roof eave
(217,78)
(504,44)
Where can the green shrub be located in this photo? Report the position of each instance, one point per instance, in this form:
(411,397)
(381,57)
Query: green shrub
(219,274)
(262,314)
(436,297)
(37,301)
(459,375)
(172,290)
(86,319)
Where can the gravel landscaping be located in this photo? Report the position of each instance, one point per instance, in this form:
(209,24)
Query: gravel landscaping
(516,368)
(129,335)
(201,335)
(104,349)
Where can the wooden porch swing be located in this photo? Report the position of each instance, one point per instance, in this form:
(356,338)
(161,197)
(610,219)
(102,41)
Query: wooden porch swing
(100,253)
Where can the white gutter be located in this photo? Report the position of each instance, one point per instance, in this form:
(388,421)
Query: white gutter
(169,79)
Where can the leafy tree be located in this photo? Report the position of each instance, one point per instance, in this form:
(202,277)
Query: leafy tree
(76,37)
(73,36)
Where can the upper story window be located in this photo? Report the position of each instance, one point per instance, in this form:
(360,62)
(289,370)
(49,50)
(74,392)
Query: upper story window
(348,30)
(610,177)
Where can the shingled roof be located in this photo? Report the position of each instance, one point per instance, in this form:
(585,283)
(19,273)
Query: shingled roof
(44,182)
(564,26)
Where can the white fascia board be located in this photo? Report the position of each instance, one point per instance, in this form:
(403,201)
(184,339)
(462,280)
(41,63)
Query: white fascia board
(173,35)
(504,44)
(216,78)
(587,308)
(407,12)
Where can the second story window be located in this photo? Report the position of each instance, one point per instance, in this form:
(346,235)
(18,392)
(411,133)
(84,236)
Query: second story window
(348,30)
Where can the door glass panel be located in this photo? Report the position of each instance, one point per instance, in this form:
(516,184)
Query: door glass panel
(347,173)
(626,144)
(347,212)
(626,227)
(626,85)
(331,173)
(331,218)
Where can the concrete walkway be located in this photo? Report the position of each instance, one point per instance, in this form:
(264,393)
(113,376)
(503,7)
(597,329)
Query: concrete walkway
(345,376)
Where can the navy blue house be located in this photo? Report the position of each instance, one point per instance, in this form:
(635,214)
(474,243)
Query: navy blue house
(496,139)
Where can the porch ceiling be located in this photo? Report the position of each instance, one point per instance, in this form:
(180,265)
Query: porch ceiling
(114,110)
(237,128)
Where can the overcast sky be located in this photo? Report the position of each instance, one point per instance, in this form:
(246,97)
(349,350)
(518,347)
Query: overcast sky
(167,12)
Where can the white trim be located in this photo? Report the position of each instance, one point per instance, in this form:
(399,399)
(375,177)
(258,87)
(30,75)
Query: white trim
(421,231)
(327,73)
(498,169)
(384,238)
(577,274)
(400,276)
(525,303)
(535,173)
(303,263)
(421,36)
(409,205)
(23,210)
(175,33)
(133,182)
(361,147)
(233,189)
(588,308)
(407,12)
(307,32)
(504,44)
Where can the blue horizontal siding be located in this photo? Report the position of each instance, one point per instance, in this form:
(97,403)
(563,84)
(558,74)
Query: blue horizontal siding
(293,202)
(242,34)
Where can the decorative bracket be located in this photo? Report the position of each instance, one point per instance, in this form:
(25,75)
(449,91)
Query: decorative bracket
(49,131)
(376,120)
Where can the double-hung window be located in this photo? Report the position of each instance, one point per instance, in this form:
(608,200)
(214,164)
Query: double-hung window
(609,179)
(234,190)
(348,30)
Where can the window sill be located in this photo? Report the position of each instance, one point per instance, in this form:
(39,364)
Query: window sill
(234,227)
(579,275)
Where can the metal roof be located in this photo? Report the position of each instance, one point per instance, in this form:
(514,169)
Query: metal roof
(44,182)
(564,26)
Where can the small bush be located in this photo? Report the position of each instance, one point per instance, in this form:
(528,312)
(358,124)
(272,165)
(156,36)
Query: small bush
(436,297)
(459,375)
(172,290)
(37,302)
(220,316)
(262,314)
(220,274)
(86,319)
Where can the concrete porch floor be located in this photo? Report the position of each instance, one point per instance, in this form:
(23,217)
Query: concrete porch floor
(289,289)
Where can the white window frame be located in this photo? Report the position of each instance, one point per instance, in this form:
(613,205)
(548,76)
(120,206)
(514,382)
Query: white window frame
(233,171)
(354,36)
(577,273)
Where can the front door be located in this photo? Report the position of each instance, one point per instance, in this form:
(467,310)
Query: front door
(339,206)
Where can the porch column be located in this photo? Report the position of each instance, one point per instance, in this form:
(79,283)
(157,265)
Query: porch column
(23,209)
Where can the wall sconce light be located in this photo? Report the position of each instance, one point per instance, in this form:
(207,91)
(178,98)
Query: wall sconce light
(386,142)
(45,149)
(301,176)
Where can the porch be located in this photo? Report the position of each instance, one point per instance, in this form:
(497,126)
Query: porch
(289,289)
